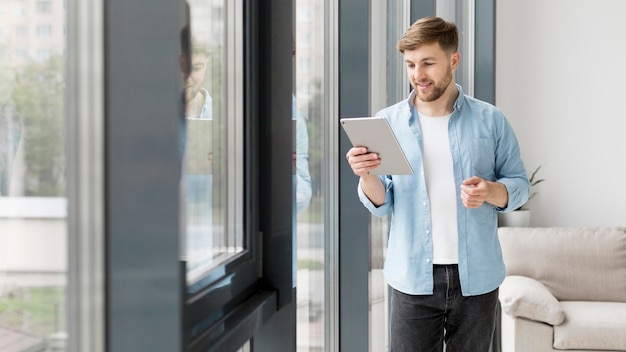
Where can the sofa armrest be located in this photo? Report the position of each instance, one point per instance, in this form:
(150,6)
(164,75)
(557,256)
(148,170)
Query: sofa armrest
(521,296)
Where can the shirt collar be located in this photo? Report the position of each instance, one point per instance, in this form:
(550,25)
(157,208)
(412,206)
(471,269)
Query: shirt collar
(457,104)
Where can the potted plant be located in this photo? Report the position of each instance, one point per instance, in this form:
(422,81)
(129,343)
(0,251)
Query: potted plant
(520,217)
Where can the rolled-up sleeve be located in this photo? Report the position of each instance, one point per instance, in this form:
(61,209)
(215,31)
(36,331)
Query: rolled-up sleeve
(383,209)
(518,189)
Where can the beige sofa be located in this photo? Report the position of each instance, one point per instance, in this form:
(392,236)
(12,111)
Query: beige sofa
(565,289)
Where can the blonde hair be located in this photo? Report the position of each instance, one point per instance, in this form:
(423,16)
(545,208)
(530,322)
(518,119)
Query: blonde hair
(430,30)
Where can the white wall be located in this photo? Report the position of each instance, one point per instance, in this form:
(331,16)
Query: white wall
(561,81)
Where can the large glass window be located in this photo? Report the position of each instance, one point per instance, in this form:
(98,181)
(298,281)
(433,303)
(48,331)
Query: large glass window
(33,219)
(211,63)
(231,287)
(313,161)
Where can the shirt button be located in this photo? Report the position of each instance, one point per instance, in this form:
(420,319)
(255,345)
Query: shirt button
(425,204)
(427,260)
(428,232)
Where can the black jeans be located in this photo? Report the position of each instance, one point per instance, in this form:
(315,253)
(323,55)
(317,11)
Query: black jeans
(422,323)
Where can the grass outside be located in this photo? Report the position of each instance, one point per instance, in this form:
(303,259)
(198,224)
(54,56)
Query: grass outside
(38,310)
(310,264)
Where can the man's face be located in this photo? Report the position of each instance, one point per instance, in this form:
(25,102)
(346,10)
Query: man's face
(194,81)
(430,70)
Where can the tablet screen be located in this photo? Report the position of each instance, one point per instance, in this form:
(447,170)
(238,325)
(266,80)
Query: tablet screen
(376,134)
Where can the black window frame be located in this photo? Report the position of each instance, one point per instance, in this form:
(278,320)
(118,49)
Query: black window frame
(247,290)
(147,302)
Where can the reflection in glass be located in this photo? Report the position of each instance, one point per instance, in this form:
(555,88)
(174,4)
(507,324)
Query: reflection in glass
(33,219)
(212,142)
(391,20)
(309,206)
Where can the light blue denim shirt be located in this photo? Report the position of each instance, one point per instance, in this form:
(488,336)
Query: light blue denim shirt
(304,189)
(482,144)
(302,185)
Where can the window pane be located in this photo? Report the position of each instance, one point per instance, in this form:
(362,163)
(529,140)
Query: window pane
(312,165)
(33,219)
(211,61)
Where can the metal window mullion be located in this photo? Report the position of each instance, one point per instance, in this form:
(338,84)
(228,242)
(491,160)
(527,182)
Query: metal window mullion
(234,123)
(468,21)
(85,175)
(331,209)
(378,45)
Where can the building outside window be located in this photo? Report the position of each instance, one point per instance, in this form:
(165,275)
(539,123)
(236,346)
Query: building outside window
(44,6)
(33,206)
(43,30)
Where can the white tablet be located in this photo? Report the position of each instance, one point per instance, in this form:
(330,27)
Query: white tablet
(376,134)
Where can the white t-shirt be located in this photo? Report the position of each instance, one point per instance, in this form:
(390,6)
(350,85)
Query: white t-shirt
(439,176)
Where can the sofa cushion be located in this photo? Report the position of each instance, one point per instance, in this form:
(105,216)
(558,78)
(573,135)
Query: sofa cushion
(575,264)
(592,326)
(528,298)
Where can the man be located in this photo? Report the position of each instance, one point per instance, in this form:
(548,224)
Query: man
(303,188)
(198,101)
(444,261)
(197,143)
(300,155)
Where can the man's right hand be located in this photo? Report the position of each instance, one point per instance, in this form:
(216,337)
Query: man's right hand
(361,161)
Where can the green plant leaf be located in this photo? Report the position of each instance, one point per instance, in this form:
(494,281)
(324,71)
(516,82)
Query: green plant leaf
(533,182)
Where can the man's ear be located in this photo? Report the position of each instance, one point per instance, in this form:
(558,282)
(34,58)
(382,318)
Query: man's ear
(455,58)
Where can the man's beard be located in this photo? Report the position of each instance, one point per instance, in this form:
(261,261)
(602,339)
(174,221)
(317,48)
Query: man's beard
(437,89)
